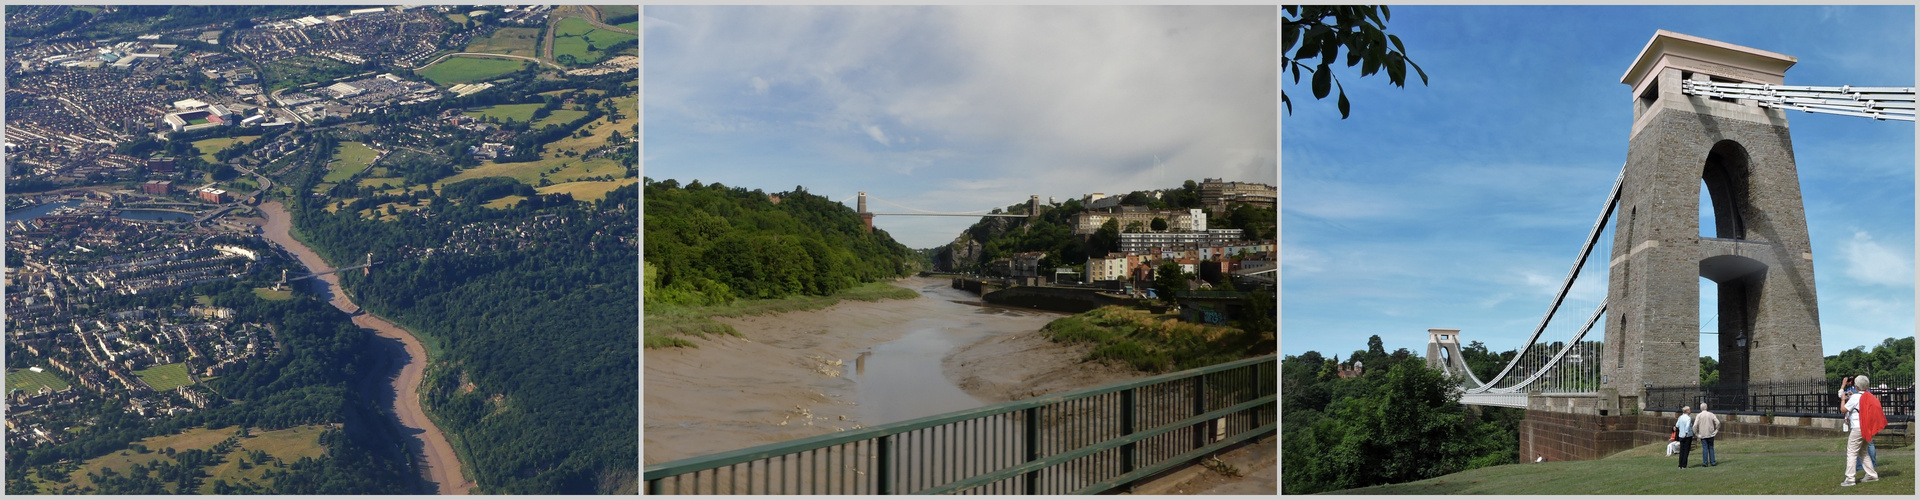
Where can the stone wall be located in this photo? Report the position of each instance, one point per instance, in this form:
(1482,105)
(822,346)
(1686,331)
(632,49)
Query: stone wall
(1558,436)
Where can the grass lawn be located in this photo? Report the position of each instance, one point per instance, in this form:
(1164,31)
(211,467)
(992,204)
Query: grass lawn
(559,117)
(668,325)
(457,18)
(587,190)
(588,45)
(271,294)
(630,25)
(504,202)
(288,445)
(208,147)
(529,172)
(351,159)
(613,11)
(1747,467)
(166,377)
(378,181)
(336,206)
(31,381)
(399,208)
(504,112)
(203,300)
(509,41)
(463,69)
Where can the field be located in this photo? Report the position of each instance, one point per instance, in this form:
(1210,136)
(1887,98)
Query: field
(462,69)
(284,445)
(529,172)
(352,158)
(504,202)
(587,45)
(1747,467)
(457,18)
(31,381)
(301,70)
(378,181)
(398,208)
(613,11)
(504,112)
(559,117)
(509,41)
(602,129)
(166,377)
(208,147)
(587,190)
(271,294)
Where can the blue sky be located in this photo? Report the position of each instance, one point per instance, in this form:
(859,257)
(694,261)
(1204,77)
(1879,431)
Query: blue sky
(1462,204)
(960,108)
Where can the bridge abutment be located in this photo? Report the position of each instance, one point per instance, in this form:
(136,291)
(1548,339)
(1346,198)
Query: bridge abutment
(1563,436)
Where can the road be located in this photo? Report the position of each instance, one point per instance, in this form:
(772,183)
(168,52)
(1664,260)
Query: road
(440,466)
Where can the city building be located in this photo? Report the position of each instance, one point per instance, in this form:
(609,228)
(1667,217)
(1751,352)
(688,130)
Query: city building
(1188,220)
(157,187)
(1107,269)
(1216,194)
(1142,242)
(212,195)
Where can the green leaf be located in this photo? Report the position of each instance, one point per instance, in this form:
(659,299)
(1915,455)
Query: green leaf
(1386,12)
(1296,72)
(1372,63)
(1345,108)
(1330,50)
(1288,102)
(1371,14)
(1354,55)
(1416,67)
(1397,69)
(1289,35)
(1322,81)
(1396,43)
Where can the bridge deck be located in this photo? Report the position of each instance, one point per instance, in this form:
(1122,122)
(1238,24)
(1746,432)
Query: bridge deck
(1511,399)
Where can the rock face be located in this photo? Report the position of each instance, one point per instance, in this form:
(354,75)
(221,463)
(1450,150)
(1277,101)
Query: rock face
(963,252)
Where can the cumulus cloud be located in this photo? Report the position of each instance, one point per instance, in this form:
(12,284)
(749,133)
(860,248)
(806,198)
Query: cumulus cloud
(1072,100)
(1872,262)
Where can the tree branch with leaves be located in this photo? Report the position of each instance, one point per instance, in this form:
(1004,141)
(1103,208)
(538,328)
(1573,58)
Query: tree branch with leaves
(1314,34)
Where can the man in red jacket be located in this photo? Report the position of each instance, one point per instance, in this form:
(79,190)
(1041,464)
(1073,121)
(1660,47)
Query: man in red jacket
(1864,419)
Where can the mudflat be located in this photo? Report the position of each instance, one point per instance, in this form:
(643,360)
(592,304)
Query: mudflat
(441,466)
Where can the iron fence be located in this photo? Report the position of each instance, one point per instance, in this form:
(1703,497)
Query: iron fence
(1812,398)
(1088,441)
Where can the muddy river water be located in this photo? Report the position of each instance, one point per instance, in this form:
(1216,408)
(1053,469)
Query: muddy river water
(799,374)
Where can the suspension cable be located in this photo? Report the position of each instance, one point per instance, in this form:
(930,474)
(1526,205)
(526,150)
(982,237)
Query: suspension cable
(1879,103)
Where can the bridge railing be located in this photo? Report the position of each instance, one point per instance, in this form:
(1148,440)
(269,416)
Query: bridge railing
(1088,441)
(1812,398)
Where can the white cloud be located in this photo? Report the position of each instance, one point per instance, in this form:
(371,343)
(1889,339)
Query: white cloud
(877,135)
(1871,262)
(760,85)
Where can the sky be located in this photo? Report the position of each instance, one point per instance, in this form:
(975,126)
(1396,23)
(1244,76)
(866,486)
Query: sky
(960,109)
(1463,203)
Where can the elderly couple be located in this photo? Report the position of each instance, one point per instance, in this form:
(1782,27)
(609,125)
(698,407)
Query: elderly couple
(1705,426)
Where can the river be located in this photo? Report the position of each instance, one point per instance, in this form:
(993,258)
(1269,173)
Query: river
(799,374)
(442,467)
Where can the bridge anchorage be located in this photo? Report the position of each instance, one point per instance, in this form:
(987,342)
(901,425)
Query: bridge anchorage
(1707,115)
(866,217)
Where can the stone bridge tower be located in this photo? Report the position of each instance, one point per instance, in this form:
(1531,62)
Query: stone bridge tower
(1759,256)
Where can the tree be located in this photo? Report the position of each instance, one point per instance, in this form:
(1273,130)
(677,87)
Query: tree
(1136,227)
(1709,371)
(1106,240)
(1159,224)
(1168,279)
(1309,39)
(1375,348)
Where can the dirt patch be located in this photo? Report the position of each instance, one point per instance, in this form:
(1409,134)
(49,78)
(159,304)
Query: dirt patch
(1016,367)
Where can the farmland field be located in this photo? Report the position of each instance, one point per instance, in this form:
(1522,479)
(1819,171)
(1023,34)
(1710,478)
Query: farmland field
(377,181)
(600,130)
(462,69)
(352,158)
(587,190)
(509,41)
(529,172)
(31,381)
(504,112)
(166,377)
(587,45)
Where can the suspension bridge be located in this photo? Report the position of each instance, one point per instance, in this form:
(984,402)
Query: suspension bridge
(368,266)
(1709,116)
(866,216)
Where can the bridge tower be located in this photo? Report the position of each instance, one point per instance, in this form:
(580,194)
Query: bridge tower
(866,217)
(1759,256)
(368,271)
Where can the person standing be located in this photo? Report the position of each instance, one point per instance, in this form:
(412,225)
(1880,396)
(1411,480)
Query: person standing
(1686,433)
(1706,425)
(1864,419)
(1847,390)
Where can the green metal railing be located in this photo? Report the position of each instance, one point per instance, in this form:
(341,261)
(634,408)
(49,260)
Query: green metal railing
(1089,441)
